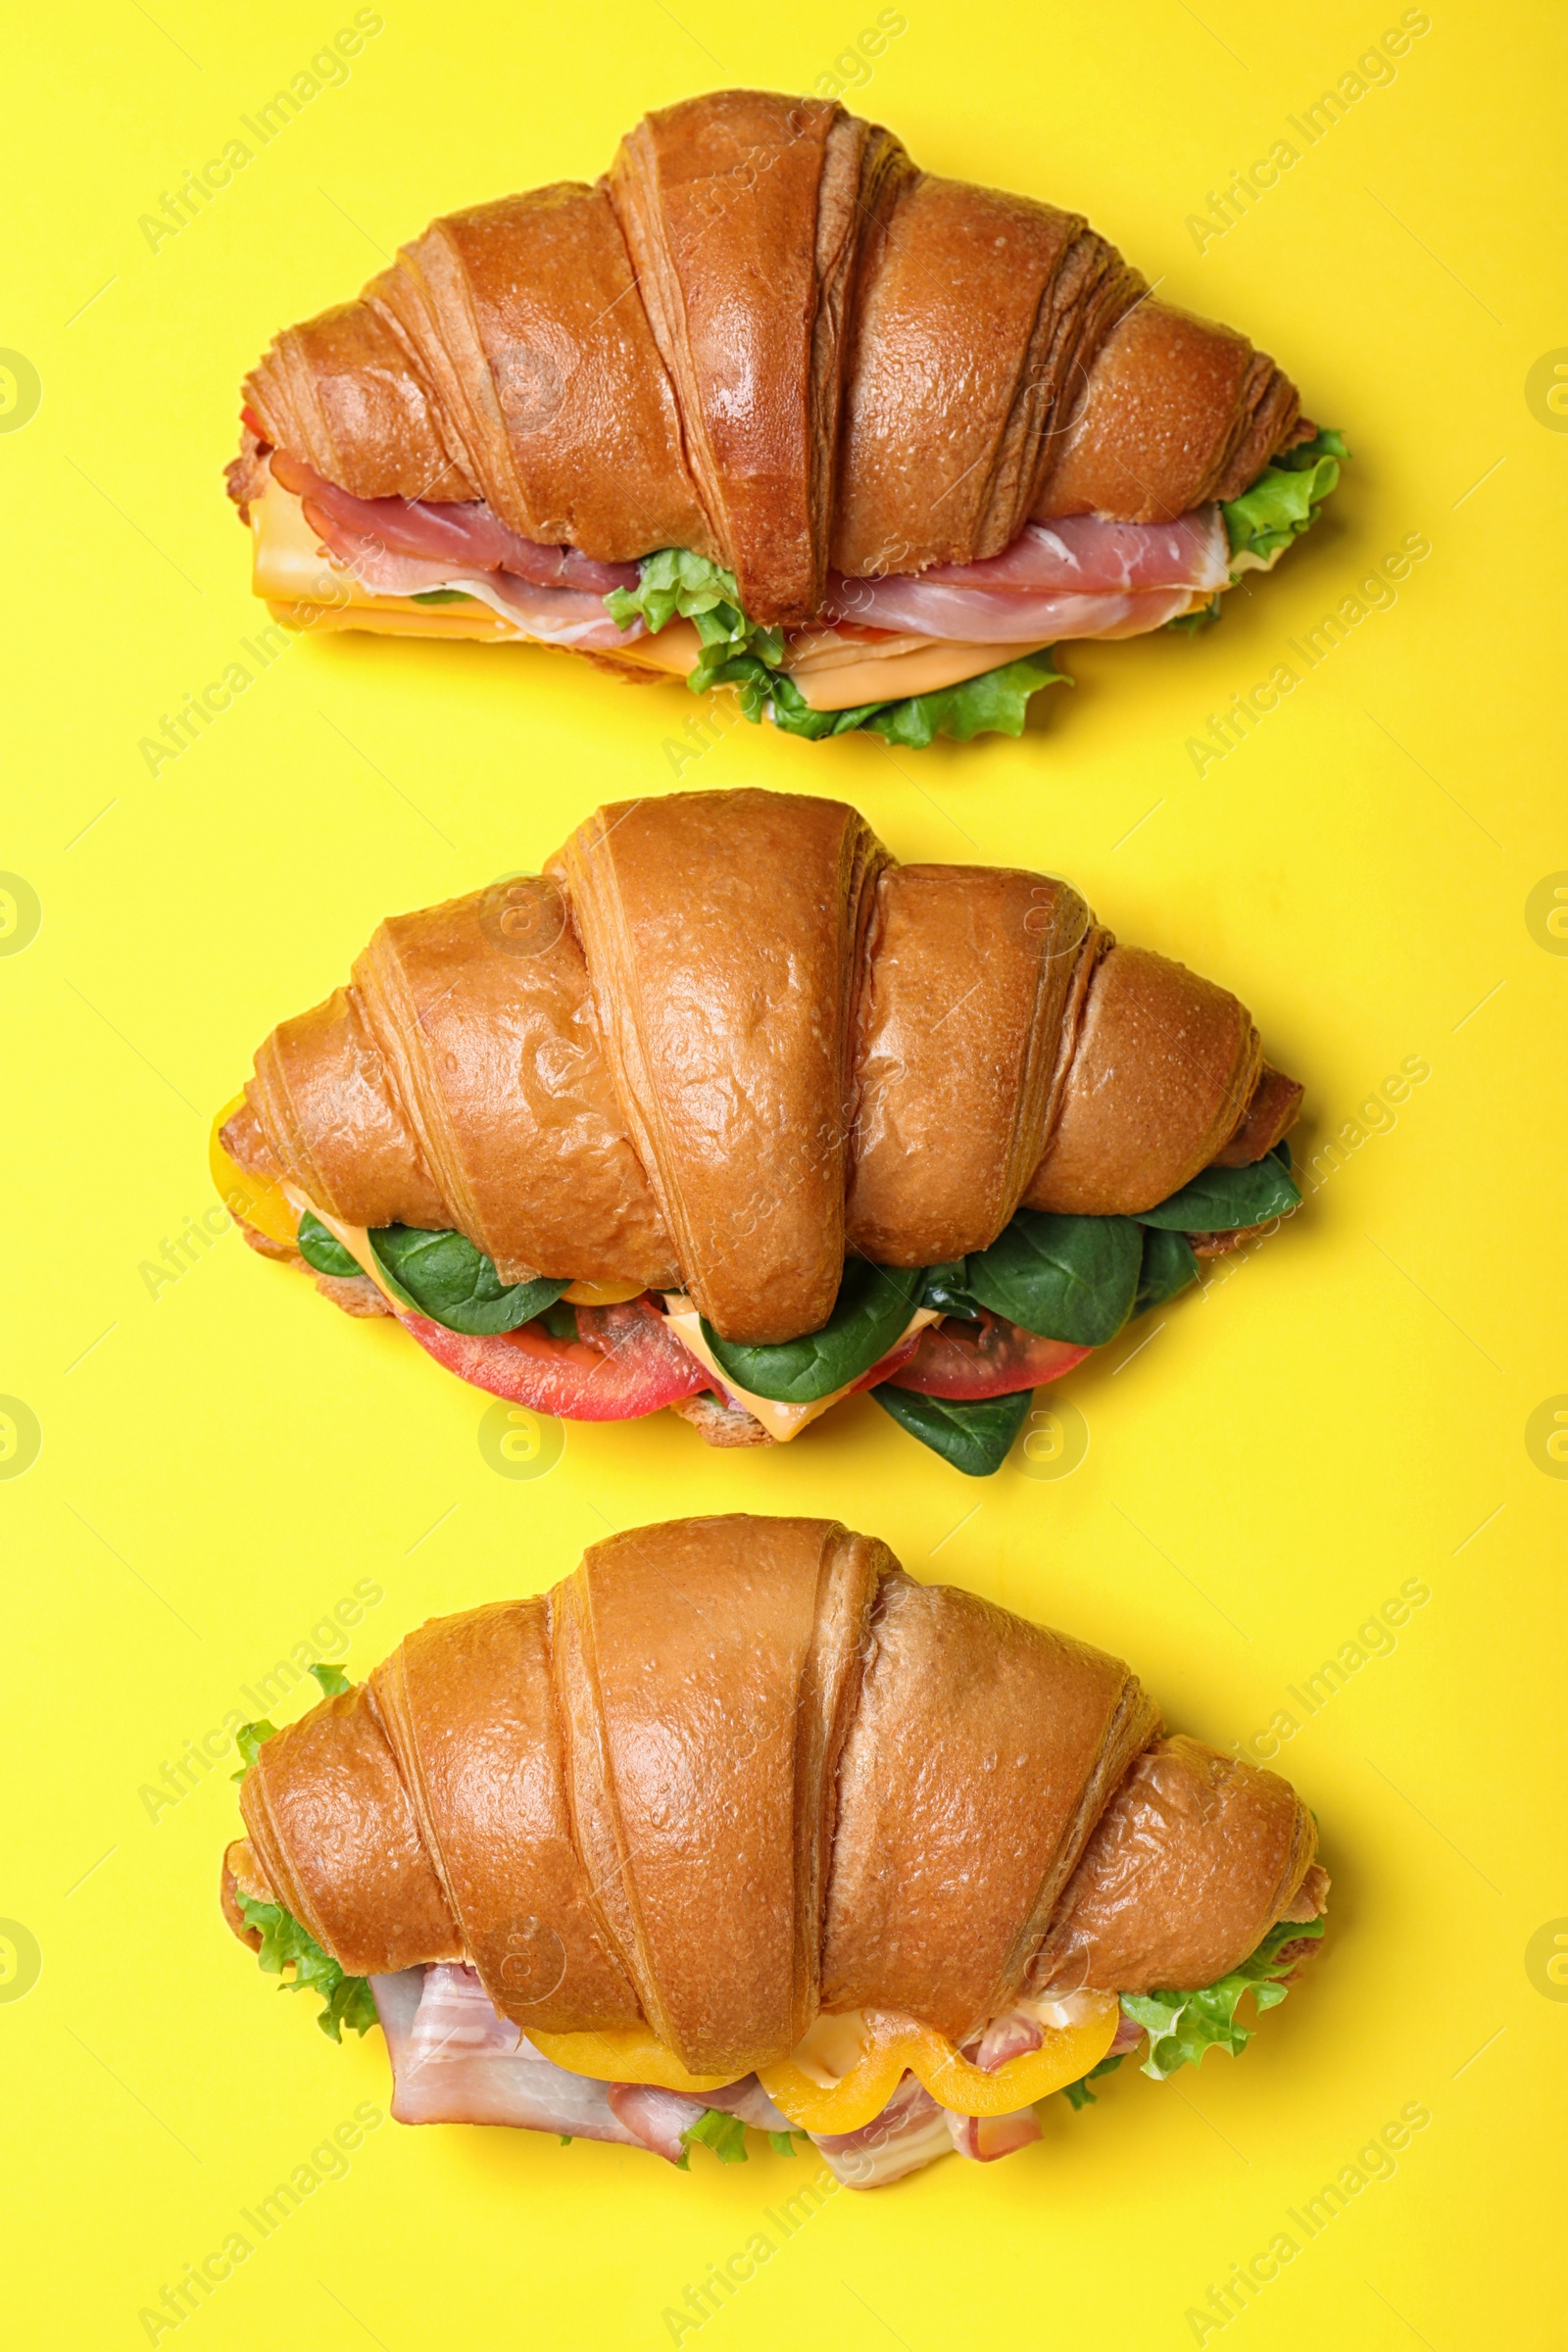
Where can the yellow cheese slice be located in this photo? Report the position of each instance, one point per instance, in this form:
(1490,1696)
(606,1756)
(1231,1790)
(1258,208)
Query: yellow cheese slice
(781,1421)
(888,676)
(260,1202)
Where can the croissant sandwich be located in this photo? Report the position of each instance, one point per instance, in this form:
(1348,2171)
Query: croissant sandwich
(768,408)
(727,1111)
(741,1827)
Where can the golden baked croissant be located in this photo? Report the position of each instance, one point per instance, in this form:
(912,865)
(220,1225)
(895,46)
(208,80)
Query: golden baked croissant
(877,434)
(773,1107)
(741,1818)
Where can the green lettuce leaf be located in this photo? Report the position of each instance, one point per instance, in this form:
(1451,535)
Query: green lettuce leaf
(724,2134)
(1181,2026)
(741,652)
(674,581)
(248,1739)
(975,1435)
(286,1944)
(1223,1200)
(442,596)
(870,1314)
(333,1680)
(1078,2094)
(443,1275)
(1066,1277)
(323,1251)
(995,703)
(1286,498)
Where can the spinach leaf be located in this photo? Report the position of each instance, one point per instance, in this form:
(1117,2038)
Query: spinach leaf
(974,1435)
(1079,2094)
(444,1276)
(947,1289)
(872,1307)
(1219,1199)
(1066,1278)
(286,1944)
(323,1251)
(1168,1266)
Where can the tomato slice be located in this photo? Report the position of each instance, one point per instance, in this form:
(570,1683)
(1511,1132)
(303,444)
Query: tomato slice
(988,1358)
(625,1362)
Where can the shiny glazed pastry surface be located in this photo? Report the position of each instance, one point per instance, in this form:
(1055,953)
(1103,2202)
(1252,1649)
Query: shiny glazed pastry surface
(724,1037)
(736,1771)
(767,336)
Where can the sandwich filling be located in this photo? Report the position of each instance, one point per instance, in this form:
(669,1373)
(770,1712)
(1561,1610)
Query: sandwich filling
(956,650)
(952,1353)
(878,2095)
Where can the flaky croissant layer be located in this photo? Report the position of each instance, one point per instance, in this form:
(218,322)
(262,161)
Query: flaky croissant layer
(735,1772)
(723,1039)
(767,336)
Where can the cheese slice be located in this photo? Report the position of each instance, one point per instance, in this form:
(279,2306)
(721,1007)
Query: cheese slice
(889,676)
(781,1421)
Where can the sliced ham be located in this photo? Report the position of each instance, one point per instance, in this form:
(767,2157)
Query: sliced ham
(521,2088)
(566,617)
(1080,576)
(1002,616)
(465,534)
(1089,556)
(455,2020)
(658,2118)
(985,2138)
(910,2132)
(751,2102)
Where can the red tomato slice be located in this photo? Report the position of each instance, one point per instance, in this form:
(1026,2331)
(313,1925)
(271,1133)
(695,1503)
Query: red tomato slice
(988,1358)
(625,1362)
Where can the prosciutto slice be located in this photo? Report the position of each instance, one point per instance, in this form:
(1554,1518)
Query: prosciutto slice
(910,2132)
(466,533)
(1078,576)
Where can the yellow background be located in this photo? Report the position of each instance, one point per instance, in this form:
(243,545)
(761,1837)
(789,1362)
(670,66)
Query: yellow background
(223,1461)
